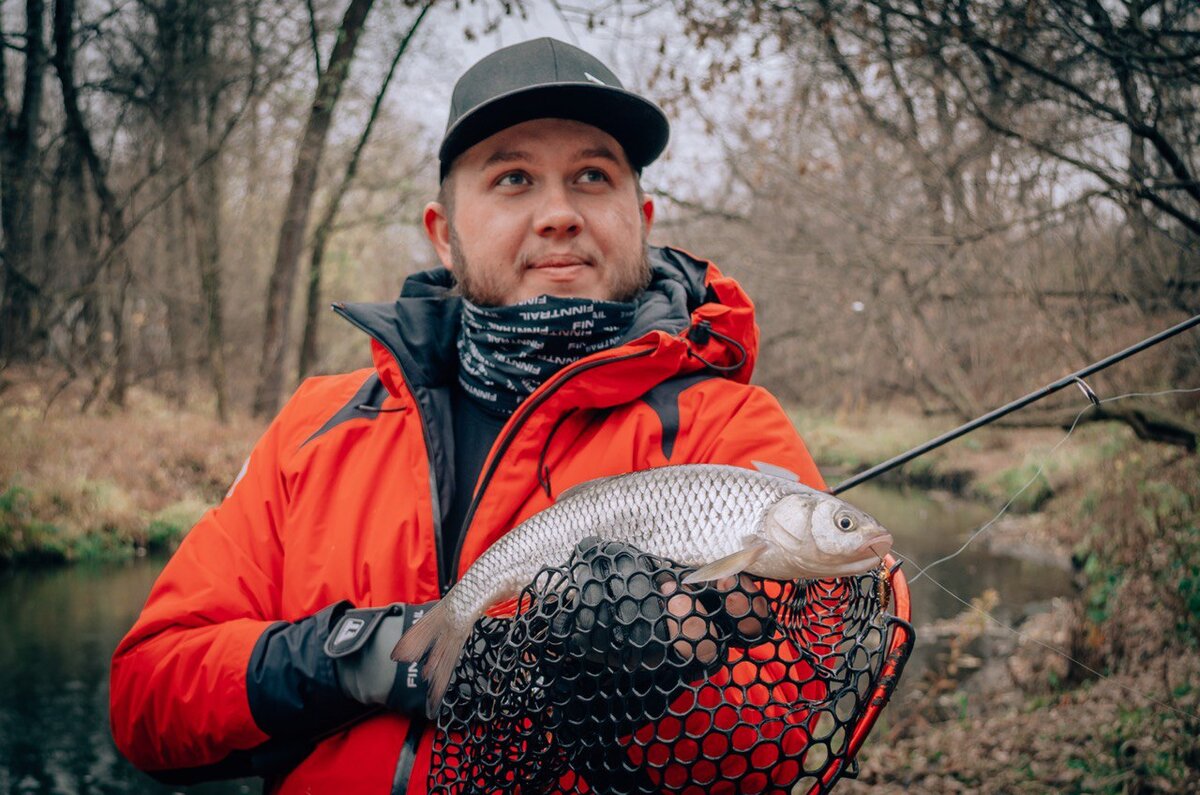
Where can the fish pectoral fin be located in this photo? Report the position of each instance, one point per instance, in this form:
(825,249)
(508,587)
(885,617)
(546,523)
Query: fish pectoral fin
(776,471)
(730,564)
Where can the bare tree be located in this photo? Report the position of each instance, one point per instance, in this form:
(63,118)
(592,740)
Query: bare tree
(324,227)
(19,164)
(1003,130)
(295,219)
(79,134)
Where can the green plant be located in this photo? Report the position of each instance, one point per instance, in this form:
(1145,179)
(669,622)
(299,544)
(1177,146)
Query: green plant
(1026,485)
(1188,587)
(100,546)
(24,539)
(13,506)
(162,536)
(1103,584)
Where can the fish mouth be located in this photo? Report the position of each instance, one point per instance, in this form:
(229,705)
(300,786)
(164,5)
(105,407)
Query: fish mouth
(877,547)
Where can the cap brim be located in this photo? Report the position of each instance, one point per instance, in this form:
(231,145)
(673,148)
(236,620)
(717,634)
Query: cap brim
(639,125)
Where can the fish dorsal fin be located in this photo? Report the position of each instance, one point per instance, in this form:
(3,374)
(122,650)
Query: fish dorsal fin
(776,471)
(587,485)
(730,564)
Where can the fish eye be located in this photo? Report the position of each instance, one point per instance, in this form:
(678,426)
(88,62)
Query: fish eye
(845,522)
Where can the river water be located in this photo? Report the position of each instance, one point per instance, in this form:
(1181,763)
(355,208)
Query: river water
(59,628)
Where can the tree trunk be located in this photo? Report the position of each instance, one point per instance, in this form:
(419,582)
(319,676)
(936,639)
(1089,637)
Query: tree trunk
(174,264)
(295,218)
(208,237)
(121,352)
(1148,423)
(309,344)
(19,163)
(312,319)
(77,132)
(87,338)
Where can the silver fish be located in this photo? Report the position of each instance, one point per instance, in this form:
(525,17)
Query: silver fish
(723,519)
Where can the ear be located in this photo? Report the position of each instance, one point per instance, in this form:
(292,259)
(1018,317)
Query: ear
(437,229)
(647,213)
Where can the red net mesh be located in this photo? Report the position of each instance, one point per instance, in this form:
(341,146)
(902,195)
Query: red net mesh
(614,677)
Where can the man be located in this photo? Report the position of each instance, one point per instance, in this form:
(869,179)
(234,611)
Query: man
(553,348)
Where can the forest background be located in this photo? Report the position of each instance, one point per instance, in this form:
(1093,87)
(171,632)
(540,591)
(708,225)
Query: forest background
(937,206)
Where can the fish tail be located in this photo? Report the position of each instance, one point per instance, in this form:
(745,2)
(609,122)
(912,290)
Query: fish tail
(440,639)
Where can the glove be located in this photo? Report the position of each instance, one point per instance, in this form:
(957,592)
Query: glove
(361,644)
(617,619)
(633,638)
(633,612)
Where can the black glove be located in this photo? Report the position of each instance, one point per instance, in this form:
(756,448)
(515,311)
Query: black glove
(618,618)
(633,612)
(633,637)
(361,644)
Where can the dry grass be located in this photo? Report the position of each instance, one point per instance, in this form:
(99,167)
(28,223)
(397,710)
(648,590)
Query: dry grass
(1107,736)
(106,481)
(990,464)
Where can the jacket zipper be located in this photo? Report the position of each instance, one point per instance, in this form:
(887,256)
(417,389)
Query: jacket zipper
(526,410)
(417,723)
(339,307)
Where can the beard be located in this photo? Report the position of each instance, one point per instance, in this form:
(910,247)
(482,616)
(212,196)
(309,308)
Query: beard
(483,286)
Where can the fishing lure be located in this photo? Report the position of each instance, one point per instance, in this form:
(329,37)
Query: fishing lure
(883,586)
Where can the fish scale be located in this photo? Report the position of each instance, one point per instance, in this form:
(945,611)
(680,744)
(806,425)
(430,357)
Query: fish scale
(721,519)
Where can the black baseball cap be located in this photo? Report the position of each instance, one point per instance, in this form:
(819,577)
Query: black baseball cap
(549,79)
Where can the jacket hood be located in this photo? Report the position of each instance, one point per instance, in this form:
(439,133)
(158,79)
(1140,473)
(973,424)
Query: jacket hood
(420,328)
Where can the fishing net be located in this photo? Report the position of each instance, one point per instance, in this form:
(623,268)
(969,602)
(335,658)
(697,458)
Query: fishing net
(609,675)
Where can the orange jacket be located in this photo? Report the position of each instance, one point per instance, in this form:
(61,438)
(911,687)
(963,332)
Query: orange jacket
(340,502)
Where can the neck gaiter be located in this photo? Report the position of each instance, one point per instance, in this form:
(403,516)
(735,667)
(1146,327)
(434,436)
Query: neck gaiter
(506,352)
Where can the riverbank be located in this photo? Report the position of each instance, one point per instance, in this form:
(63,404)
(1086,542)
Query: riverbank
(102,486)
(992,463)
(1118,710)
(108,485)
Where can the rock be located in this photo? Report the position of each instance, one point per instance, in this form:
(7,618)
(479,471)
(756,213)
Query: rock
(1029,537)
(1033,667)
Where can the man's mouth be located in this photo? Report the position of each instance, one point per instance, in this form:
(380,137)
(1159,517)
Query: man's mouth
(558,261)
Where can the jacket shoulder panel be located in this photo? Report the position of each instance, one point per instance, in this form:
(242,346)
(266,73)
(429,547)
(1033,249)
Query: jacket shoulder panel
(729,422)
(323,402)
(366,404)
(664,400)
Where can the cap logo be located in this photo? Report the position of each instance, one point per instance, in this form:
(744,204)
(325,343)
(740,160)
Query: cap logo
(594,79)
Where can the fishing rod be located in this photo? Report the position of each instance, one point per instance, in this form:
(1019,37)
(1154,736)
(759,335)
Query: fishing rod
(1020,403)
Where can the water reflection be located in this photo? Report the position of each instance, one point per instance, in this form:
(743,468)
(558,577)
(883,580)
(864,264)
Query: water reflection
(59,629)
(57,636)
(926,527)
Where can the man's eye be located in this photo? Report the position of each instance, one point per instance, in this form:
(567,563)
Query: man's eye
(512,179)
(593,175)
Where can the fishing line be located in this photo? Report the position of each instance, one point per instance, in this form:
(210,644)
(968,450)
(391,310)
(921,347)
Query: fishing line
(1020,403)
(1003,510)
(1050,647)
(1036,475)
(1013,630)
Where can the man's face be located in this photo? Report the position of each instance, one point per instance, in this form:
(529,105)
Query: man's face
(546,207)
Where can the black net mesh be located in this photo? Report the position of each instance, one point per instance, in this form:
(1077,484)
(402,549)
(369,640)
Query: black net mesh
(612,676)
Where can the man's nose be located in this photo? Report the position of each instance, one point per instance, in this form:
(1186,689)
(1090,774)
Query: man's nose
(558,216)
